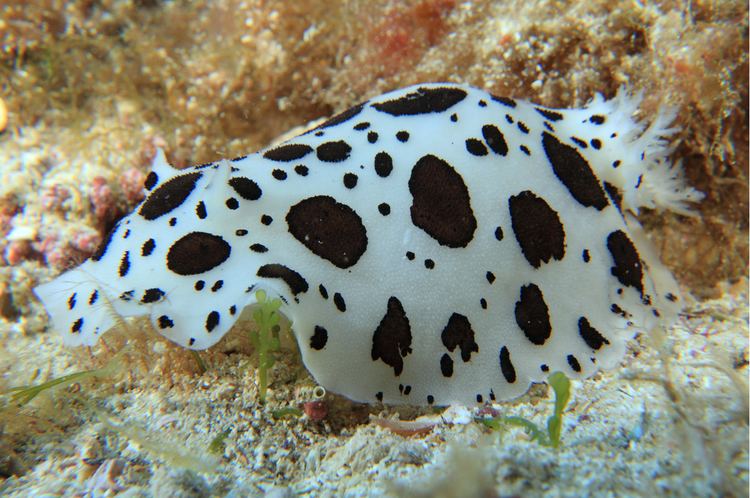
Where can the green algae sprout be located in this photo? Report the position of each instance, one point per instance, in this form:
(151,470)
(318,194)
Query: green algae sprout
(551,437)
(265,338)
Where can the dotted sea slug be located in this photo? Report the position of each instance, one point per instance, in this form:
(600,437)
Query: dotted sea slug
(434,245)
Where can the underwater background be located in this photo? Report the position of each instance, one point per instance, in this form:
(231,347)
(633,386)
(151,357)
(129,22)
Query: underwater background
(90,89)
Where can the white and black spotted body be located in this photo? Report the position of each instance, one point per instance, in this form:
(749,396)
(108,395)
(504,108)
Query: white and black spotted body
(433,245)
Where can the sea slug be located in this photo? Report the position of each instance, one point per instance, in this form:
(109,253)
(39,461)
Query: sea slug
(434,245)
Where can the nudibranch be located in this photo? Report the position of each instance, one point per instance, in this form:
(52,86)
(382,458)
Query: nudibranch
(437,244)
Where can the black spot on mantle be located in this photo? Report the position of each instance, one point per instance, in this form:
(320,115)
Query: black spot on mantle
(506,366)
(333,152)
(287,152)
(319,338)
(246,188)
(551,115)
(168,196)
(574,172)
(532,315)
(627,268)
(495,139)
(537,228)
(383,164)
(441,205)
(391,341)
(504,100)
(294,280)
(446,365)
(592,337)
(329,229)
(422,101)
(152,295)
(458,332)
(197,252)
(475,147)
